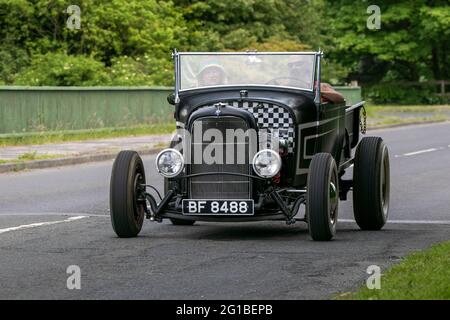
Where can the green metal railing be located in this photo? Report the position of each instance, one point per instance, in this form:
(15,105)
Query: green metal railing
(352,95)
(31,109)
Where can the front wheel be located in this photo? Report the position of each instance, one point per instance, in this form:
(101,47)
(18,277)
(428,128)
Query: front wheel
(322,198)
(127,211)
(371,184)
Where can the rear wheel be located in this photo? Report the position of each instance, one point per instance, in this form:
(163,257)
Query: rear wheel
(322,198)
(127,212)
(371,184)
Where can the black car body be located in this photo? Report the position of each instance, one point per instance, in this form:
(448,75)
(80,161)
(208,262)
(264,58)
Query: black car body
(310,127)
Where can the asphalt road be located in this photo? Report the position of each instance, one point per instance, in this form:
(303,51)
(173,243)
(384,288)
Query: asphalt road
(53,218)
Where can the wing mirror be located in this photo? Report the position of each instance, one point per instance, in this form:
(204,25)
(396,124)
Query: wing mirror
(171,98)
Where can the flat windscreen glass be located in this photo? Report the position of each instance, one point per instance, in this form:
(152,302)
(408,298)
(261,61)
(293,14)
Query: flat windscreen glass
(234,69)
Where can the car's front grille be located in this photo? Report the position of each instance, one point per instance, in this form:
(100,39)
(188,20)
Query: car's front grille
(272,118)
(219,186)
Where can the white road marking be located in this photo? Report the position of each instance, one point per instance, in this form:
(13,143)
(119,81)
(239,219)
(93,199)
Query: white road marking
(407,221)
(419,152)
(52,214)
(41,224)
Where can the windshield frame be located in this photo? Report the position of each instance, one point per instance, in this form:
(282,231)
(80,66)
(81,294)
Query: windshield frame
(176,56)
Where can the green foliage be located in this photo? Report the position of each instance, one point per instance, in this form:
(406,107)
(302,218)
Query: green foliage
(46,137)
(240,23)
(401,94)
(276,43)
(119,42)
(412,43)
(60,69)
(12,59)
(128,42)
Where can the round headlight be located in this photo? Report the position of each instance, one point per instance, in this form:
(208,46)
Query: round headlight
(169,162)
(266,163)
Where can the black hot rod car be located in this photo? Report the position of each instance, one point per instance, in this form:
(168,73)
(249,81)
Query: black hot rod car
(258,136)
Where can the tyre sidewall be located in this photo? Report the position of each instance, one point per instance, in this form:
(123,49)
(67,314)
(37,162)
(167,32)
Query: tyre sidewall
(370,211)
(126,216)
(320,225)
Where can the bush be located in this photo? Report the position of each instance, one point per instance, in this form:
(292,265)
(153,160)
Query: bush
(392,93)
(60,69)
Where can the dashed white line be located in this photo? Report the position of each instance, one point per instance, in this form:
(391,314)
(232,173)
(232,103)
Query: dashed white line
(419,152)
(40,224)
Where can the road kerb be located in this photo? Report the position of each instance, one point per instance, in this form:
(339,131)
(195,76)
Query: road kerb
(59,162)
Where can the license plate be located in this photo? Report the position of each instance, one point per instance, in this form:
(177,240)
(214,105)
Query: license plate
(218,207)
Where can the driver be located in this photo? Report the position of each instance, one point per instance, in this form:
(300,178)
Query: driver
(298,73)
(212,74)
(298,69)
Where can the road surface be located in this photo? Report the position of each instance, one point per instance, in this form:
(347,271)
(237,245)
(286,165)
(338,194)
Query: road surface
(54,218)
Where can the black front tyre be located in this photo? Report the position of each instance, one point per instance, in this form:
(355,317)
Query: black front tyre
(371,184)
(127,212)
(322,198)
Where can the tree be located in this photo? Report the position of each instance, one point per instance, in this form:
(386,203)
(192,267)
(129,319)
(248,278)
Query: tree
(240,23)
(33,30)
(412,43)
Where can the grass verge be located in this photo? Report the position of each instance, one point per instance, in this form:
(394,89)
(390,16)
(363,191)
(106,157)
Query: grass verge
(80,135)
(397,115)
(29,156)
(422,275)
(376,116)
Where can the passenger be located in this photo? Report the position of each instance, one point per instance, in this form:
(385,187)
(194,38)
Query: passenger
(212,74)
(298,72)
(328,93)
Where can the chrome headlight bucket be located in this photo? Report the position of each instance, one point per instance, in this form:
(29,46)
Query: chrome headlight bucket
(266,163)
(169,163)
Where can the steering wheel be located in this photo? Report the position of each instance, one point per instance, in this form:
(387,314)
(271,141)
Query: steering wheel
(274,81)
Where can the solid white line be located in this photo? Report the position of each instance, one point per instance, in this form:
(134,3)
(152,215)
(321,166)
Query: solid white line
(419,152)
(40,224)
(407,221)
(22,214)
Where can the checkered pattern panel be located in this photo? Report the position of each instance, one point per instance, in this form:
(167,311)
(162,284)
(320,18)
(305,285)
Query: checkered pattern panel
(276,121)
